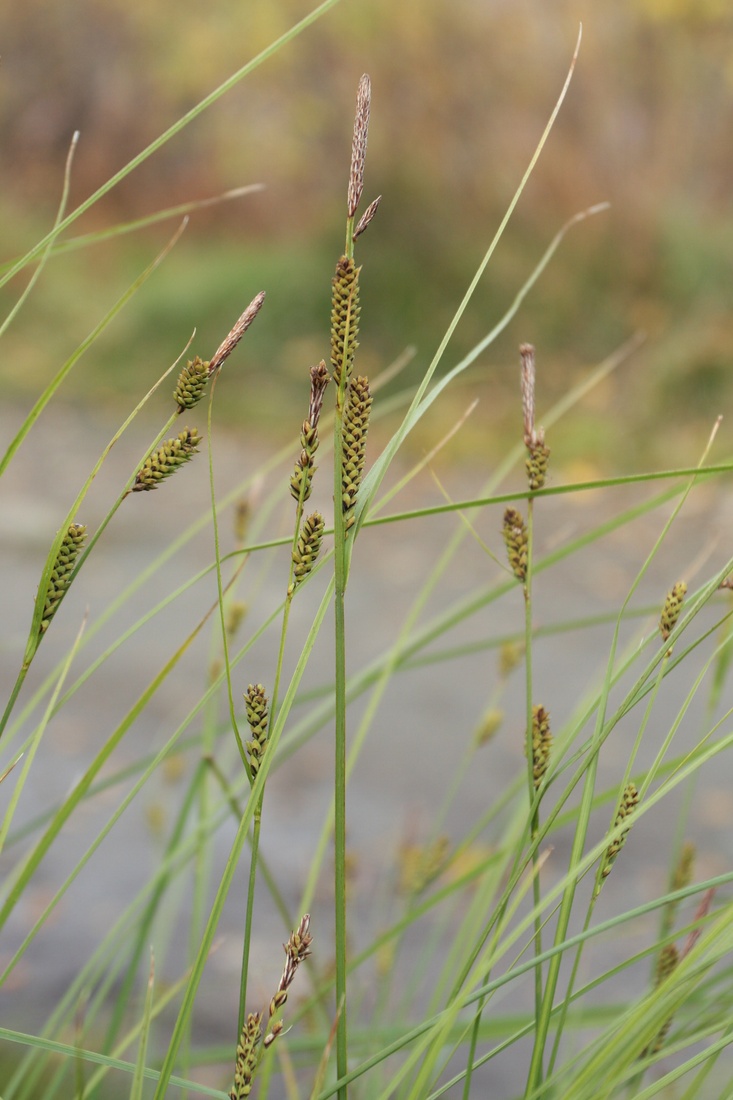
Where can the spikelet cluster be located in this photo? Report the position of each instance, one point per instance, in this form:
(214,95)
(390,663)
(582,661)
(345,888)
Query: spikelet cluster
(191,384)
(629,802)
(672,608)
(541,744)
(516,539)
(258,718)
(166,460)
(356,426)
(251,1044)
(307,548)
(302,479)
(345,313)
(63,567)
(248,1055)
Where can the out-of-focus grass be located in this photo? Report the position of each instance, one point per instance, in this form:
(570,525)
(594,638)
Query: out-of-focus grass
(462,89)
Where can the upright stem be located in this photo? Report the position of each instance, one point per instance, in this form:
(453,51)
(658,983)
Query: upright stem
(535,822)
(340,578)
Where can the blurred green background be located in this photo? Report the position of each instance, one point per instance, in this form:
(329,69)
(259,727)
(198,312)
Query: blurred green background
(461,92)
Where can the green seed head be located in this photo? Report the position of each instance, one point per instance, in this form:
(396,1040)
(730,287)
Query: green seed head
(166,460)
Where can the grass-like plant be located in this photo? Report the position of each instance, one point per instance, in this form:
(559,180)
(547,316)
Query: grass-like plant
(481,948)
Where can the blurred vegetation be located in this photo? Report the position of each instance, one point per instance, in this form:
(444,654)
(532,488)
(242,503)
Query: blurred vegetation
(462,90)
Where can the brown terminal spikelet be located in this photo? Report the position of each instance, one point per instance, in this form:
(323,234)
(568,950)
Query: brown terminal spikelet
(534,439)
(541,744)
(629,802)
(355,428)
(359,143)
(63,567)
(258,718)
(302,479)
(230,342)
(516,539)
(297,949)
(345,312)
(307,548)
(166,460)
(366,217)
(672,608)
(191,384)
(248,1055)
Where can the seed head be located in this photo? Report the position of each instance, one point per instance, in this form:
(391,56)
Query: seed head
(63,567)
(517,540)
(166,460)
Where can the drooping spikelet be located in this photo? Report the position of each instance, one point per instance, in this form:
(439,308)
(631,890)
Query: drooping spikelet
(345,312)
(297,949)
(191,384)
(302,479)
(248,1055)
(355,428)
(251,1043)
(166,460)
(672,608)
(60,578)
(307,548)
(534,438)
(541,744)
(258,718)
(629,802)
(516,539)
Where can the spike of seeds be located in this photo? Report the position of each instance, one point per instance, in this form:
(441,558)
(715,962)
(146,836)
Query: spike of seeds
(258,720)
(307,548)
(517,540)
(541,744)
(672,608)
(166,460)
(345,312)
(629,802)
(248,1056)
(355,428)
(305,468)
(191,384)
(63,567)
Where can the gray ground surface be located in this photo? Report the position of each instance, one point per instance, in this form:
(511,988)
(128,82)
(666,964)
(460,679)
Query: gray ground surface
(422,726)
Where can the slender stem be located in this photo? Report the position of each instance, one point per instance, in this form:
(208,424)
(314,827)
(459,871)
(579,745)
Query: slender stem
(340,577)
(535,822)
